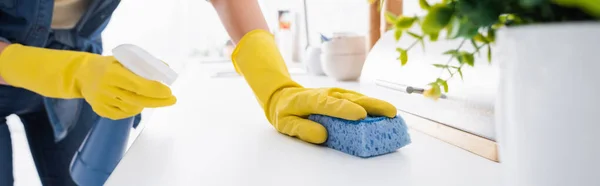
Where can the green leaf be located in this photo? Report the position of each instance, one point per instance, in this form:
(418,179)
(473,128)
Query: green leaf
(440,65)
(470,30)
(404,22)
(398,34)
(453,29)
(503,19)
(415,35)
(422,43)
(403,56)
(467,58)
(497,25)
(443,83)
(424,5)
(463,28)
(491,35)
(390,17)
(449,28)
(434,36)
(437,91)
(591,7)
(451,52)
(437,18)
(510,19)
(481,38)
(434,92)
(460,73)
(489,54)
(445,86)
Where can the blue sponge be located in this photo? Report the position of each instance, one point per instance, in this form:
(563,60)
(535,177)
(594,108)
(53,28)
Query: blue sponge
(365,138)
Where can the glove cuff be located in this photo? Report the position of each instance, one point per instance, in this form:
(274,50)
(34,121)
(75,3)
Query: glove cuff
(47,72)
(257,58)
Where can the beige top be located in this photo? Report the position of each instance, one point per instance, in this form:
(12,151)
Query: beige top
(67,13)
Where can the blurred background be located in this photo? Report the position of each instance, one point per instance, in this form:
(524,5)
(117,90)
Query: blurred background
(189,31)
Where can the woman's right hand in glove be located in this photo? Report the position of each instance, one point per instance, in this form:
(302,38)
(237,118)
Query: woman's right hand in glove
(112,90)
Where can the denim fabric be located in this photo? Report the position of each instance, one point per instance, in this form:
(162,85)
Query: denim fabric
(52,159)
(28,22)
(55,128)
(6,166)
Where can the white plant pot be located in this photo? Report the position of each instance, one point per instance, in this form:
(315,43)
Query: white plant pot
(548,106)
(345,44)
(343,56)
(343,67)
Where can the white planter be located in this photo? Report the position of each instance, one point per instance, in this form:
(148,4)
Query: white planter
(343,67)
(548,106)
(342,43)
(343,56)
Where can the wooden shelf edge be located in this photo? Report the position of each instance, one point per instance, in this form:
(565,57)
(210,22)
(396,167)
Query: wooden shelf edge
(475,144)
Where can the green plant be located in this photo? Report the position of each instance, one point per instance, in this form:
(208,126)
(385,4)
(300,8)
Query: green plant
(475,22)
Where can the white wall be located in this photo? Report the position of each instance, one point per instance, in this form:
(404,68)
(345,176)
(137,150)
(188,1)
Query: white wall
(328,16)
(171,31)
(325,16)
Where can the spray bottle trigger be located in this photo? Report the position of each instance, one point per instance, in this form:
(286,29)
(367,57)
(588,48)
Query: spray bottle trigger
(144,64)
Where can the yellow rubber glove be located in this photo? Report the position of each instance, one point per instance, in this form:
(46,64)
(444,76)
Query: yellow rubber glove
(285,102)
(111,90)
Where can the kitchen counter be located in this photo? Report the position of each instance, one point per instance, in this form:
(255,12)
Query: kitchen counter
(218,135)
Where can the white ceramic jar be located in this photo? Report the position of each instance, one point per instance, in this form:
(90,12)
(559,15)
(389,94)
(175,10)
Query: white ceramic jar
(343,56)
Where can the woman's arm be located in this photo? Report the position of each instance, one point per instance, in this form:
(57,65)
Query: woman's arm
(110,89)
(240,17)
(285,103)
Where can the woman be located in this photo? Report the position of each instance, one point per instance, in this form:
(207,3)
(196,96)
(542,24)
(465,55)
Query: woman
(55,80)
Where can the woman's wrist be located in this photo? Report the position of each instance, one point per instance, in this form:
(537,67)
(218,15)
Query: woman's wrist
(240,17)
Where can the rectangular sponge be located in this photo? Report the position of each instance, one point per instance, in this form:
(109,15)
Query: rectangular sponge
(365,138)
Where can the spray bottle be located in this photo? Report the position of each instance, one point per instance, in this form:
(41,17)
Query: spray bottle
(107,141)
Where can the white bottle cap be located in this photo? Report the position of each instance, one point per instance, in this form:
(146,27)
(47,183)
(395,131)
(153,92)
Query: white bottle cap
(144,64)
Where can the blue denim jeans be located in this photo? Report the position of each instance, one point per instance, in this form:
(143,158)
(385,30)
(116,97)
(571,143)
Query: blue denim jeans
(52,159)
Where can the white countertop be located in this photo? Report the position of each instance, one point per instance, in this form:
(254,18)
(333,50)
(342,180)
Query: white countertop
(218,135)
